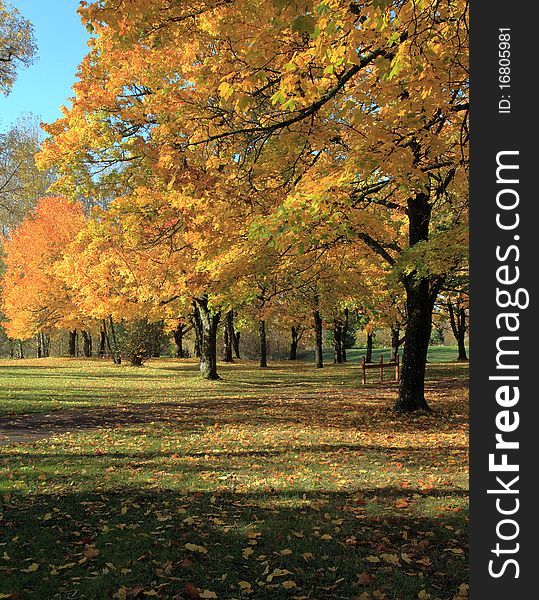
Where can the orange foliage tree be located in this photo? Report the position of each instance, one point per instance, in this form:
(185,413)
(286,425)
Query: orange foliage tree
(35,296)
(312,123)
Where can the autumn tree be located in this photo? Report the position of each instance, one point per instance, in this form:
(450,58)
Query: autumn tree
(35,298)
(339,122)
(21,183)
(17,45)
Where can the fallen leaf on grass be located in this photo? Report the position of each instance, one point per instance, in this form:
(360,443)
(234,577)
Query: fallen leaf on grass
(191,591)
(365,579)
(288,584)
(91,552)
(196,548)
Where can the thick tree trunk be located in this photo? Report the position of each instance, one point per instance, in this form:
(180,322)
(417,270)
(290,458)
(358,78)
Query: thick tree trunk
(395,342)
(228,337)
(73,343)
(318,340)
(337,341)
(197,326)
(209,321)
(344,334)
(420,297)
(179,334)
(461,338)
(295,335)
(39,346)
(263,344)
(86,344)
(416,344)
(458,325)
(368,357)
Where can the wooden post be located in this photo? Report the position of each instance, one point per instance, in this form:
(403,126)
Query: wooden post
(381,368)
(397,367)
(363,375)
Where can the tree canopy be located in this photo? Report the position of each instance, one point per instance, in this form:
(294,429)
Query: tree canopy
(17,45)
(245,150)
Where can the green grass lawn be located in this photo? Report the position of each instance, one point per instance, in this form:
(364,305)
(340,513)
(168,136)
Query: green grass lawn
(284,483)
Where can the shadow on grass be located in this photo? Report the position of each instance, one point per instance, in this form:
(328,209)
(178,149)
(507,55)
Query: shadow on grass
(89,546)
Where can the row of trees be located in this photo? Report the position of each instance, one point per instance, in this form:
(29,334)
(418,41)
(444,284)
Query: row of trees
(257,157)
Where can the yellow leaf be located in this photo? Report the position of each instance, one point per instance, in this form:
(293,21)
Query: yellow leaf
(247,552)
(372,559)
(406,558)
(90,552)
(195,548)
(278,573)
(288,584)
(392,559)
(207,594)
(31,569)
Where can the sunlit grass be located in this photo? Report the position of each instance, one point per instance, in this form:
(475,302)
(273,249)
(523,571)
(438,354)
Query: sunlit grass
(307,468)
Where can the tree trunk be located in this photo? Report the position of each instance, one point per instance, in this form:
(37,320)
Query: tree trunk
(368,357)
(344,334)
(209,321)
(179,334)
(236,344)
(39,347)
(395,342)
(318,347)
(21,349)
(420,297)
(110,336)
(295,335)
(102,342)
(46,344)
(337,341)
(73,343)
(263,344)
(86,344)
(197,326)
(228,337)
(458,325)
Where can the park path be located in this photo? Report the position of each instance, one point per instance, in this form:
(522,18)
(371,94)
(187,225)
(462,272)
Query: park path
(37,426)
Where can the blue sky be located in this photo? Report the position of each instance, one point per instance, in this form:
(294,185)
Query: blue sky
(61,40)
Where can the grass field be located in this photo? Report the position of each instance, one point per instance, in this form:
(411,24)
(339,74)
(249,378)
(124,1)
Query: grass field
(284,483)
